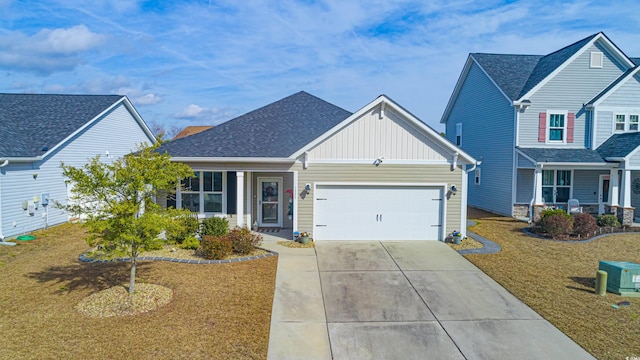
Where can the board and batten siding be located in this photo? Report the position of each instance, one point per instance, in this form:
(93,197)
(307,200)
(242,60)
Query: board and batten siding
(371,136)
(567,91)
(116,132)
(487,119)
(383,174)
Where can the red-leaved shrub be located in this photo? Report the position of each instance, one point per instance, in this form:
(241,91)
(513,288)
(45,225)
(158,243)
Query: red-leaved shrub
(584,225)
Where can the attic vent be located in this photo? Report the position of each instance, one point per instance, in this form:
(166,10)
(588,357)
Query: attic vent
(596,59)
(45,148)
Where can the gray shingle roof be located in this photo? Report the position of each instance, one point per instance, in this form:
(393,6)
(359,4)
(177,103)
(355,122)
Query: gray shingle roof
(635,61)
(563,155)
(619,145)
(33,122)
(275,130)
(517,74)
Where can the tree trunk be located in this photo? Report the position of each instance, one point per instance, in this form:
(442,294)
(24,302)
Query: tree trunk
(132,277)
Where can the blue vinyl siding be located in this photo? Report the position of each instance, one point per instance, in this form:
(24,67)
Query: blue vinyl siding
(604,127)
(487,132)
(117,132)
(627,95)
(575,85)
(585,185)
(524,189)
(634,160)
(525,163)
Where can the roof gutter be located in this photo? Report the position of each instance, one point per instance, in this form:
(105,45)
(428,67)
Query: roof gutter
(6,161)
(570,164)
(616,159)
(233,159)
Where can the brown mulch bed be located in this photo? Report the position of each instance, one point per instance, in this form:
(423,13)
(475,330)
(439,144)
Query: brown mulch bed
(173,251)
(217,311)
(557,280)
(295,244)
(466,243)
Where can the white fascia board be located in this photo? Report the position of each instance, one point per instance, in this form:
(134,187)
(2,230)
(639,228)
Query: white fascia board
(21,159)
(533,161)
(384,162)
(415,122)
(615,88)
(600,37)
(578,165)
(232,159)
(139,120)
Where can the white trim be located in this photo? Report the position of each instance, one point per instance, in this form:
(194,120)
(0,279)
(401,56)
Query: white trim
(464,186)
(249,177)
(594,126)
(239,199)
(596,60)
(99,117)
(601,202)
(280,181)
(201,193)
(477,177)
(385,162)
(555,184)
(412,120)
(461,80)
(564,113)
(295,201)
(443,186)
(231,159)
(626,188)
(599,37)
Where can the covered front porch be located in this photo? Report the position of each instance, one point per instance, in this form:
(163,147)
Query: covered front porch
(264,200)
(599,186)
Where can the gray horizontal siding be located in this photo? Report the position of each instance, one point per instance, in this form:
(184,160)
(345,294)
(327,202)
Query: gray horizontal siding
(575,85)
(117,133)
(604,127)
(635,159)
(585,185)
(523,162)
(524,188)
(487,132)
(626,95)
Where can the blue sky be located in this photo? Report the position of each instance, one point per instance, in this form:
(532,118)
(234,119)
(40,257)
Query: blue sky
(204,62)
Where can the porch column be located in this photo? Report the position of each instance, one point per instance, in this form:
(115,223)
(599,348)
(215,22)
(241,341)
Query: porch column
(240,197)
(538,184)
(626,188)
(613,188)
(296,197)
(249,199)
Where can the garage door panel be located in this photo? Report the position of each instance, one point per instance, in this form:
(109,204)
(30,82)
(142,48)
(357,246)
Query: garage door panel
(356,212)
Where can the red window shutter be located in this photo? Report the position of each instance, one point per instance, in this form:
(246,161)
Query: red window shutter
(570,120)
(542,127)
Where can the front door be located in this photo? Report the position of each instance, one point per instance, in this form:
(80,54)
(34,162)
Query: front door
(269,202)
(603,196)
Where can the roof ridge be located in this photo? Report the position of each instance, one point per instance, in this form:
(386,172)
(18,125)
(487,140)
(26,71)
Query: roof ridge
(588,38)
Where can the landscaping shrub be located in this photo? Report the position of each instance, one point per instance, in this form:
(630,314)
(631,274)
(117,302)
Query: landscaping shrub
(190,243)
(214,226)
(243,240)
(608,220)
(584,225)
(215,247)
(556,224)
(550,212)
(181,228)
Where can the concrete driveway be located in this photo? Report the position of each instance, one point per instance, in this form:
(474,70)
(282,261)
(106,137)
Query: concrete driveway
(401,300)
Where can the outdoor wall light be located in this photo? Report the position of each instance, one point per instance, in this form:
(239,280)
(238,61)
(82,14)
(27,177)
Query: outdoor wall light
(307,188)
(378,161)
(454,189)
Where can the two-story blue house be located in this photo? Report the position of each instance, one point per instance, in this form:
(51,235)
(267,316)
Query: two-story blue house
(549,128)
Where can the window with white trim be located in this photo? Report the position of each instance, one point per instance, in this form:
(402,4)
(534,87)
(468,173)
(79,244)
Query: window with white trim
(459,134)
(597,59)
(557,126)
(477,179)
(203,193)
(556,186)
(626,122)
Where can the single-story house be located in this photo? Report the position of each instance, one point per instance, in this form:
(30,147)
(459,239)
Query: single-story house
(304,164)
(39,131)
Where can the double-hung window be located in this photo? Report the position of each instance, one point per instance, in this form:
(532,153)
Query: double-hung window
(203,192)
(556,186)
(557,126)
(459,134)
(626,122)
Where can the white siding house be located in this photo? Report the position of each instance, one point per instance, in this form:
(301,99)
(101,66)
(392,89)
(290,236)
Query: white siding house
(43,131)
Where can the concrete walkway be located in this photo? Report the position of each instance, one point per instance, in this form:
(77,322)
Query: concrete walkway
(400,300)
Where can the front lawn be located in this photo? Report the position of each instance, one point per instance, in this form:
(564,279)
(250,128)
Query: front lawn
(557,279)
(217,311)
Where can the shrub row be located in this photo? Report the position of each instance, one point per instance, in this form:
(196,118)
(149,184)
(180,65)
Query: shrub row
(557,223)
(239,241)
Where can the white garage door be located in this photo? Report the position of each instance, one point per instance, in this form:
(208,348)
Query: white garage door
(355,212)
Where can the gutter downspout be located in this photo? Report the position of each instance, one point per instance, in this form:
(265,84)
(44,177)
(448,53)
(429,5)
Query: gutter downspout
(533,198)
(454,163)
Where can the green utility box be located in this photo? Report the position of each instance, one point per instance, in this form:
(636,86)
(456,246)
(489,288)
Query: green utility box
(623,277)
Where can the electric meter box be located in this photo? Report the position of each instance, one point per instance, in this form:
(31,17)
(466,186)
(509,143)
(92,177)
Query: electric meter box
(623,277)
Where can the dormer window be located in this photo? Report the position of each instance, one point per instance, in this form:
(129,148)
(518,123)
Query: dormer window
(596,59)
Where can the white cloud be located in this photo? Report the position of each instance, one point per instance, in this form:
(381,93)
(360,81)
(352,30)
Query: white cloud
(140,97)
(48,50)
(205,116)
